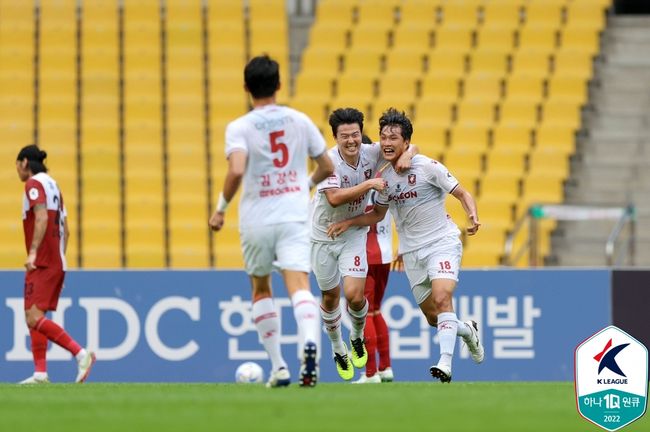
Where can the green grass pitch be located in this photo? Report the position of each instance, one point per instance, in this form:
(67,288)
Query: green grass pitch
(455,407)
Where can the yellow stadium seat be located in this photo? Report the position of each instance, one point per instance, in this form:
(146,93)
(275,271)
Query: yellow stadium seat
(524,87)
(464,163)
(536,38)
(500,187)
(477,258)
(543,190)
(531,62)
(503,15)
(495,212)
(335,10)
(321,62)
(434,112)
(469,138)
(518,113)
(315,86)
(446,62)
(420,14)
(330,35)
(507,160)
(452,38)
(568,89)
(482,88)
(430,136)
(580,38)
(553,137)
(406,62)
(559,113)
(553,163)
(573,63)
(353,85)
(460,14)
(398,86)
(378,14)
(586,14)
(412,37)
(546,14)
(361,62)
(370,38)
(478,114)
(488,63)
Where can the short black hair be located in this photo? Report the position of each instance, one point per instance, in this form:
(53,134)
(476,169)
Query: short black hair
(35,157)
(345,116)
(393,117)
(365,139)
(262,76)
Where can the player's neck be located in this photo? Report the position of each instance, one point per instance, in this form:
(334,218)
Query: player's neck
(259,103)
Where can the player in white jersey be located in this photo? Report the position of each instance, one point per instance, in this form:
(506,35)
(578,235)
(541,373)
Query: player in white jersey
(341,196)
(428,238)
(268,149)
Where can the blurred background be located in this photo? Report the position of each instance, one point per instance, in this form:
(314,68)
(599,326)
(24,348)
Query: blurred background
(540,107)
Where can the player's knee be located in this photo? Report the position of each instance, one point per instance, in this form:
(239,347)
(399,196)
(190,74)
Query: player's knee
(31,319)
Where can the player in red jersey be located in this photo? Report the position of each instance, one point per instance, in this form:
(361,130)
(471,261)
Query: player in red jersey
(46,237)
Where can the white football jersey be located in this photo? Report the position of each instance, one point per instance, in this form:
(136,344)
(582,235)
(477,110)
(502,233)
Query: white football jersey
(345,175)
(278,140)
(417,202)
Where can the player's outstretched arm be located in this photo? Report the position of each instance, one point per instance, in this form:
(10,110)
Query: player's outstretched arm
(469,205)
(339,196)
(236,170)
(377,214)
(324,169)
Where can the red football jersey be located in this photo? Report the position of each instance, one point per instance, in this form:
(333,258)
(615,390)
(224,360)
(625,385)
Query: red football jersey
(42,189)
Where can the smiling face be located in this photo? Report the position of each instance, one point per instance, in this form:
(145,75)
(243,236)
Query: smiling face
(348,138)
(392,142)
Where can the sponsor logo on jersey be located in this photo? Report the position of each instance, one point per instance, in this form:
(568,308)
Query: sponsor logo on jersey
(411,179)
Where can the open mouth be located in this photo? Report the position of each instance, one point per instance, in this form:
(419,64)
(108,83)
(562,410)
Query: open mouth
(389,152)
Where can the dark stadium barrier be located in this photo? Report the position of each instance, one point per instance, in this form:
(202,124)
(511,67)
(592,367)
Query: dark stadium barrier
(630,303)
(195,326)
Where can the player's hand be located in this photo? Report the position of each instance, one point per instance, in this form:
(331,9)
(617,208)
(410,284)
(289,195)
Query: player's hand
(475,224)
(338,228)
(216,221)
(398,263)
(30,262)
(377,184)
(404,162)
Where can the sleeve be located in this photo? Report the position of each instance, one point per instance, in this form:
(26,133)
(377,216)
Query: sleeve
(315,141)
(331,182)
(35,193)
(235,138)
(439,176)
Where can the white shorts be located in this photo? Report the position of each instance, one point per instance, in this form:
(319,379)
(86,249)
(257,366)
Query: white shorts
(439,260)
(282,246)
(345,257)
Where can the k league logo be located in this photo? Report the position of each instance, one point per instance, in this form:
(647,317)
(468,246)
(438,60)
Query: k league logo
(611,378)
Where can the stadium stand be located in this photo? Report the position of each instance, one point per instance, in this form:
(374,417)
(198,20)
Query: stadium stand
(131,103)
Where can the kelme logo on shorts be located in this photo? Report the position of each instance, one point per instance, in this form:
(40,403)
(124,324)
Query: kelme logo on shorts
(611,378)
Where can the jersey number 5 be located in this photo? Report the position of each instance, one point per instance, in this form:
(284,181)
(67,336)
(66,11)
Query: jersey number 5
(279,147)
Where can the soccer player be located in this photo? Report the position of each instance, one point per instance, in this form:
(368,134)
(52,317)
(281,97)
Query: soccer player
(267,148)
(341,196)
(429,239)
(46,238)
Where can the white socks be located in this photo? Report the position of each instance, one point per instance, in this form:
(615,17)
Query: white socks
(81,354)
(268,328)
(358,319)
(447,331)
(332,322)
(463,329)
(305,310)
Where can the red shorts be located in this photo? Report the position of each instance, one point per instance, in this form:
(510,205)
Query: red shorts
(43,287)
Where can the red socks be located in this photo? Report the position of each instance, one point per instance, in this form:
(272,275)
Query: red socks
(39,348)
(371,346)
(383,346)
(56,334)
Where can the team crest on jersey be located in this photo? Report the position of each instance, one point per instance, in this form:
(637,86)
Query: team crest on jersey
(345,181)
(33,193)
(411,179)
(367,173)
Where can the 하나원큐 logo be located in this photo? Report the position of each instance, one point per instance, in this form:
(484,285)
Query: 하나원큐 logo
(611,378)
